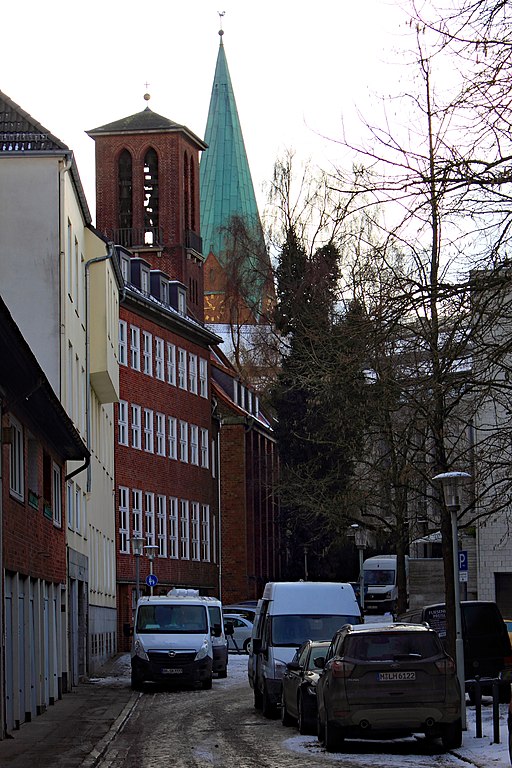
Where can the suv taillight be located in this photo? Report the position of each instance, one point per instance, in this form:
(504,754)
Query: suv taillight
(447,666)
(342,668)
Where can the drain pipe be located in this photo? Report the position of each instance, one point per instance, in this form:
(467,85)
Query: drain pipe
(109,255)
(217,417)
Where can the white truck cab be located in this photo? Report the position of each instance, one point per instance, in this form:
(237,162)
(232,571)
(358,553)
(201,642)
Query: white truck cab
(172,640)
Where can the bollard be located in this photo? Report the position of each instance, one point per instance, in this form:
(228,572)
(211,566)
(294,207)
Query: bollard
(496,711)
(477,688)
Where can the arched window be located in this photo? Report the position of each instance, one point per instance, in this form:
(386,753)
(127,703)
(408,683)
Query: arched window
(186,192)
(124,181)
(151,197)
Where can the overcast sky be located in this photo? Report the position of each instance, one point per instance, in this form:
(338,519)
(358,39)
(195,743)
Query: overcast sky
(296,68)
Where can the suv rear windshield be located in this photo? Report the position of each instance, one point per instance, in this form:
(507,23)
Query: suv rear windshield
(185,619)
(391,646)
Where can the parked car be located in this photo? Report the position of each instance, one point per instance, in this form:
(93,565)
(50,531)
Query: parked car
(247,610)
(242,631)
(487,648)
(508,624)
(298,697)
(386,681)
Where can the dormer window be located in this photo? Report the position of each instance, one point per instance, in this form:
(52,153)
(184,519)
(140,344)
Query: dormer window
(182,301)
(144,280)
(164,291)
(125,268)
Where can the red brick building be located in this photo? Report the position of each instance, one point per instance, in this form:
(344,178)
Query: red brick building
(147,179)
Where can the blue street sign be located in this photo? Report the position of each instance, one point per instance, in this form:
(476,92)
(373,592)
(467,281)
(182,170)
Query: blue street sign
(151,580)
(463,560)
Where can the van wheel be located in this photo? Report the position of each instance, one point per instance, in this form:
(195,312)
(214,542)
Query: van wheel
(333,737)
(258,699)
(207,684)
(452,735)
(136,682)
(223,673)
(269,710)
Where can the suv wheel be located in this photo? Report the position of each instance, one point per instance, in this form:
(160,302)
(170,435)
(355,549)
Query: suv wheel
(333,737)
(452,735)
(320,730)
(302,724)
(286,718)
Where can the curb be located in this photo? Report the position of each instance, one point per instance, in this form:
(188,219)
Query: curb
(101,747)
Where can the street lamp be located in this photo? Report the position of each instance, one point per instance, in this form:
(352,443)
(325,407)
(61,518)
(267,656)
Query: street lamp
(360,541)
(137,550)
(151,553)
(451,483)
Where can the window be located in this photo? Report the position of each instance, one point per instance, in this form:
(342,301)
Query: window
(182,301)
(148,431)
(137,512)
(184,530)
(144,280)
(147,353)
(173,527)
(125,268)
(183,441)
(205,532)
(57,495)
(194,444)
(17,463)
(159,359)
(69,259)
(182,369)
(194,519)
(192,373)
(70,504)
(160,434)
(150,518)
(135,347)
(205,442)
(123,422)
(124,543)
(124,187)
(173,437)
(136,434)
(161,514)
(164,291)
(151,212)
(203,377)
(123,343)
(78,511)
(171,364)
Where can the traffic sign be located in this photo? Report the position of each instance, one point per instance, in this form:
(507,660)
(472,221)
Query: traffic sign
(151,580)
(463,560)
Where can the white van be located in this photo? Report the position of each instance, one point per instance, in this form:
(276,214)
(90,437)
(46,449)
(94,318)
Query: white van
(380,587)
(289,614)
(219,639)
(172,640)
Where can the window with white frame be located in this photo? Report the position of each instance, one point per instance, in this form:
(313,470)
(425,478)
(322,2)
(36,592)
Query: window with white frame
(184,530)
(137,512)
(203,377)
(147,353)
(171,364)
(160,434)
(78,510)
(205,533)
(173,527)
(17,461)
(124,534)
(57,495)
(135,347)
(123,422)
(182,369)
(173,437)
(159,359)
(84,515)
(144,280)
(205,444)
(164,291)
(149,443)
(161,516)
(136,427)
(70,504)
(192,373)
(183,441)
(150,517)
(125,268)
(182,301)
(123,343)
(194,524)
(194,444)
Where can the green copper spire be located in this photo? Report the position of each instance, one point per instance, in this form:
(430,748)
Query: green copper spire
(225,179)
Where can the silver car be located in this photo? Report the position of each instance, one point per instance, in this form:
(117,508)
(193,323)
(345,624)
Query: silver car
(387,681)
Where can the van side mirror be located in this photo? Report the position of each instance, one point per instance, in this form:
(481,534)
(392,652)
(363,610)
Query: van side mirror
(127,630)
(229,629)
(216,630)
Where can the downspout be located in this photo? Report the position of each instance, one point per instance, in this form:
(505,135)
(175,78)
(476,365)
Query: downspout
(109,255)
(218,418)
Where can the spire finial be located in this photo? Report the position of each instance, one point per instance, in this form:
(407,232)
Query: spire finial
(147,95)
(221,14)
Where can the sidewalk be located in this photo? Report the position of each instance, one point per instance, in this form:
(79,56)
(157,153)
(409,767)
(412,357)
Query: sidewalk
(75,731)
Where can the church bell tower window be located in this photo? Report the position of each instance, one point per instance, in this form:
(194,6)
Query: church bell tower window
(151,197)
(125,193)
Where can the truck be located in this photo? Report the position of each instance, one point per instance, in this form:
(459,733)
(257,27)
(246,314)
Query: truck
(380,587)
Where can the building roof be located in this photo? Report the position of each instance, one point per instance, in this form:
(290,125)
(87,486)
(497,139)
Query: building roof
(20,134)
(146,121)
(225,178)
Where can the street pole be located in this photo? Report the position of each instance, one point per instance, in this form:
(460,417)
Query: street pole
(459,644)
(137,576)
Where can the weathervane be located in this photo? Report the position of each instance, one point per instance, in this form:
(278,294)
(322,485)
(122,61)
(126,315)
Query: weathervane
(221,14)
(147,95)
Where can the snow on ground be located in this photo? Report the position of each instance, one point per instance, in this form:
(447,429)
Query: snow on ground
(476,752)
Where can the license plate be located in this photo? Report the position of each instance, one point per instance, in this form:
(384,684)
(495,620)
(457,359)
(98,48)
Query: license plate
(172,671)
(387,676)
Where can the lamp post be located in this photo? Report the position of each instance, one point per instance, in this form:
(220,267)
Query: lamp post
(451,483)
(137,550)
(360,542)
(151,553)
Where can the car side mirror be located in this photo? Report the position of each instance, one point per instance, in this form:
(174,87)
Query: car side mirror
(320,662)
(293,666)
(216,630)
(229,628)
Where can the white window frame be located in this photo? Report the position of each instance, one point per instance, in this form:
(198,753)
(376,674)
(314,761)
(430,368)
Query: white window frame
(57,495)
(192,373)
(173,528)
(161,447)
(173,437)
(122,422)
(182,301)
(184,441)
(194,530)
(182,368)
(159,359)
(122,354)
(124,531)
(17,461)
(184,530)
(135,347)
(149,439)
(161,516)
(136,427)
(78,509)
(194,445)
(144,280)
(147,353)
(70,504)
(171,363)
(137,512)
(149,516)
(205,533)
(205,449)
(203,377)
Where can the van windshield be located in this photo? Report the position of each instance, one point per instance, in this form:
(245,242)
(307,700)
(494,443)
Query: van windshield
(379,577)
(295,629)
(184,619)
